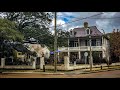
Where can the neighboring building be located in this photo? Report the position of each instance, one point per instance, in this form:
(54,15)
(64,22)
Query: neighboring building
(40,49)
(20,52)
(79,43)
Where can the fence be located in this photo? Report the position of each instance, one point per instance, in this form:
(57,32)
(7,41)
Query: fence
(3,66)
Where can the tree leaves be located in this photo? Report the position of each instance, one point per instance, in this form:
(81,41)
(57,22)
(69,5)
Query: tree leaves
(31,19)
(115,43)
(8,30)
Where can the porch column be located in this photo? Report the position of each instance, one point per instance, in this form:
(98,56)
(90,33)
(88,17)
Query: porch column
(34,63)
(102,41)
(66,62)
(58,57)
(2,62)
(79,48)
(103,52)
(79,55)
(68,49)
(42,62)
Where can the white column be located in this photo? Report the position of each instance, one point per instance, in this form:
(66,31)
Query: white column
(79,55)
(103,54)
(79,48)
(58,57)
(2,62)
(68,49)
(66,62)
(34,63)
(42,62)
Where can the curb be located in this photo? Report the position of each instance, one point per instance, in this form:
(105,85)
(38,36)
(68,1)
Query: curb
(32,72)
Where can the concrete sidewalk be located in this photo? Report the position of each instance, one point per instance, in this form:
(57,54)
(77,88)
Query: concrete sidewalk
(48,72)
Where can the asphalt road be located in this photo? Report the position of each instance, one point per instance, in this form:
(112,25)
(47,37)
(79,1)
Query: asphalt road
(105,74)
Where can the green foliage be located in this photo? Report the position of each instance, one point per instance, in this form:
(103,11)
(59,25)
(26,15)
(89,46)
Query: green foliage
(8,31)
(63,38)
(33,24)
(29,19)
(44,36)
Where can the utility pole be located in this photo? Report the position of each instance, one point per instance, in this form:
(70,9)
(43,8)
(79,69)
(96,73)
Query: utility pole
(90,54)
(55,44)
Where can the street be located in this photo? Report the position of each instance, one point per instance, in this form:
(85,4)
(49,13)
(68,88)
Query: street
(105,74)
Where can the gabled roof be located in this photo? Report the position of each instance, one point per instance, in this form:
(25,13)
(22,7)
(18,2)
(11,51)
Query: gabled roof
(21,48)
(81,32)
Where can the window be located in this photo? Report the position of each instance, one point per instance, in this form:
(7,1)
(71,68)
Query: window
(93,42)
(75,33)
(75,44)
(71,32)
(98,43)
(20,53)
(88,31)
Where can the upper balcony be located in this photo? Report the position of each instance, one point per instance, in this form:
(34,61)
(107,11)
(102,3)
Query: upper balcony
(81,48)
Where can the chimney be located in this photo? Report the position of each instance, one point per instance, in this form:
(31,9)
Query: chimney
(117,30)
(85,24)
(113,30)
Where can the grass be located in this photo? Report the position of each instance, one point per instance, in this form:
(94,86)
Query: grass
(13,70)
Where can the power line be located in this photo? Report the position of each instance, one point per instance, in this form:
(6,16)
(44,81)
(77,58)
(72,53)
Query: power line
(77,19)
(105,18)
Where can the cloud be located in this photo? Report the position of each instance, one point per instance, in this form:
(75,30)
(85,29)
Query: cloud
(102,24)
(108,14)
(59,22)
(106,24)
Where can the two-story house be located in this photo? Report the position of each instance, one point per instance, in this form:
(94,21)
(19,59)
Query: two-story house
(81,40)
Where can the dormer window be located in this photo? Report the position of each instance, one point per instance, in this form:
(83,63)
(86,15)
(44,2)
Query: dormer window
(75,33)
(71,32)
(88,31)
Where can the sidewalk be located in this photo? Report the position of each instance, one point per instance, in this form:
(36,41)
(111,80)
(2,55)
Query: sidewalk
(49,72)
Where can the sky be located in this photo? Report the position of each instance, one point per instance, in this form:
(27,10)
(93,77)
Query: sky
(107,23)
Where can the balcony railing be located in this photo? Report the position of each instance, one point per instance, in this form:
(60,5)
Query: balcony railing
(82,48)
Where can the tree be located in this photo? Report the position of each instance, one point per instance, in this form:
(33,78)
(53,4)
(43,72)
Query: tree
(63,38)
(29,19)
(8,31)
(115,43)
(43,36)
(32,24)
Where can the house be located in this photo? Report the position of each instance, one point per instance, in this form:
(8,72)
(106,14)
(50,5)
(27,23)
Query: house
(40,49)
(21,53)
(79,43)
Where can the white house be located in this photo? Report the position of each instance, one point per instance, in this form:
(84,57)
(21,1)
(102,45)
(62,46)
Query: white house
(79,43)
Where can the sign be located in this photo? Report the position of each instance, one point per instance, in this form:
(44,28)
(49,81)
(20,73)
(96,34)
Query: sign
(86,54)
(52,52)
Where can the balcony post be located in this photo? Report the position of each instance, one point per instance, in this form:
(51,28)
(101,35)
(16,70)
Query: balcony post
(68,49)
(79,48)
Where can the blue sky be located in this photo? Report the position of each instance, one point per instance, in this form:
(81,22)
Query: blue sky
(106,24)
